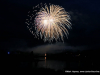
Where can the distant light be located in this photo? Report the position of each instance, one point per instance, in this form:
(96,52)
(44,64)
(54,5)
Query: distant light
(45,54)
(8,52)
(45,58)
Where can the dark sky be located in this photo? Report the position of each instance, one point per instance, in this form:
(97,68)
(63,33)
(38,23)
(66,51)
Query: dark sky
(85,32)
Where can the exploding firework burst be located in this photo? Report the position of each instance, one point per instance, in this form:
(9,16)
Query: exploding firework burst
(49,22)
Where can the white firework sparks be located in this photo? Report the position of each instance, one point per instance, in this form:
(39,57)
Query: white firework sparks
(51,22)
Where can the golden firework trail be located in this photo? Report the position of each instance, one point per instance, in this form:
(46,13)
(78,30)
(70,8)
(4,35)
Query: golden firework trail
(51,22)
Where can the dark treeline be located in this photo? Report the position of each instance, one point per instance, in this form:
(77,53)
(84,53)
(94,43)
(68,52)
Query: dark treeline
(67,54)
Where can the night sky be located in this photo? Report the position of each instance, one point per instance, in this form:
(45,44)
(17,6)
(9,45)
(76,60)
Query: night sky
(84,35)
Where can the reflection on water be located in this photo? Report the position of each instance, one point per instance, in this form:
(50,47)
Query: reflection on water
(55,64)
(52,64)
(43,62)
(61,65)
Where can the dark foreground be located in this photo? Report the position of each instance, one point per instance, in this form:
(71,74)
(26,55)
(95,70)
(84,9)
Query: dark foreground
(29,63)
